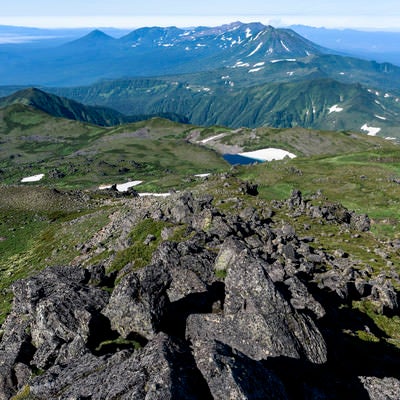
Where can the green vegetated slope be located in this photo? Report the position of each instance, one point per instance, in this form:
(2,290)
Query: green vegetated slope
(65,108)
(367,182)
(307,103)
(72,153)
(41,226)
(300,141)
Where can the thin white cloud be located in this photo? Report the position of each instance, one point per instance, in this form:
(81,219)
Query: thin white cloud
(332,21)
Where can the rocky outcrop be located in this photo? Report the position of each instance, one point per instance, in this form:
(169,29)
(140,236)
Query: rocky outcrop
(138,303)
(53,319)
(163,369)
(381,389)
(257,320)
(240,308)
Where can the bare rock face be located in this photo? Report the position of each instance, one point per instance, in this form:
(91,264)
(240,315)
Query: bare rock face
(163,369)
(241,308)
(139,301)
(232,375)
(381,389)
(257,320)
(53,317)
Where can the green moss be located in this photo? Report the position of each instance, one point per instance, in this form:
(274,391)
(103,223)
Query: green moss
(138,253)
(367,336)
(23,394)
(117,343)
(389,325)
(221,273)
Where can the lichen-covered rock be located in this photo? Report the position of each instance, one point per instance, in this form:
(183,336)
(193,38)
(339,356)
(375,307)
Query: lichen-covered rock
(302,299)
(381,389)
(232,375)
(163,369)
(53,317)
(257,320)
(138,303)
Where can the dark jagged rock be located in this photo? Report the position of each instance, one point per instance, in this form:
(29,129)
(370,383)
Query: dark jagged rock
(241,308)
(138,303)
(360,222)
(248,188)
(301,299)
(257,320)
(53,318)
(163,369)
(381,389)
(383,294)
(232,375)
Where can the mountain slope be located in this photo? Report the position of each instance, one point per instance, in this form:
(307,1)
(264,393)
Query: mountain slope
(152,51)
(64,108)
(312,103)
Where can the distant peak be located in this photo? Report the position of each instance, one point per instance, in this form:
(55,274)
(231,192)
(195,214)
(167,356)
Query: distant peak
(98,34)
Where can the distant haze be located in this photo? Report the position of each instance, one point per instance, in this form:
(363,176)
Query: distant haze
(383,15)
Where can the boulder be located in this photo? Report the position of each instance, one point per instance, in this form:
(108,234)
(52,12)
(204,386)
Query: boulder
(231,375)
(381,388)
(139,302)
(257,320)
(163,369)
(54,319)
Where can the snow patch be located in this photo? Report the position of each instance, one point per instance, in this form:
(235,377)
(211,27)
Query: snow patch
(212,138)
(248,33)
(259,64)
(372,131)
(390,138)
(341,73)
(256,49)
(379,117)
(290,73)
(268,154)
(283,59)
(258,35)
(34,178)
(202,175)
(154,194)
(255,69)
(121,187)
(335,108)
(284,46)
(241,64)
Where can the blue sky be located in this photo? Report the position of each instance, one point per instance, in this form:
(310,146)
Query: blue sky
(130,14)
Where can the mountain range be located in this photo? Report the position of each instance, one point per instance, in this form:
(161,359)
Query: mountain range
(233,75)
(137,262)
(151,51)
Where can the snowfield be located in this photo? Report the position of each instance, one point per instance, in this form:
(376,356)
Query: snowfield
(155,194)
(335,108)
(34,178)
(372,131)
(122,187)
(268,154)
(213,138)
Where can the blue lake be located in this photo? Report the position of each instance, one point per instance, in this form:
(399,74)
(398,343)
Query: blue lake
(236,159)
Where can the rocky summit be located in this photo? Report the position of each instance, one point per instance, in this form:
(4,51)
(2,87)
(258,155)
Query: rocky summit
(232,303)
